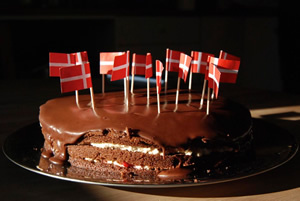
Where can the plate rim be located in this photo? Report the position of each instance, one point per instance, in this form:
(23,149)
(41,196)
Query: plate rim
(292,153)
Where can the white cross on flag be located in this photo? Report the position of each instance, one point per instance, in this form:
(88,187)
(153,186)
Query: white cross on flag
(121,67)
(107,61)
(199,63)
(60,60)
(75,77)
(159,70)
(172,60)
(149,70)
(184,66)
(138,64)
(228,68)
(81,57)
(214,78)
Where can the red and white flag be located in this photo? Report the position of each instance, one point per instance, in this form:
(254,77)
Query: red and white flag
(159,70)
(75,78)
(121,67)
(184,66)
(228,68)
(81,57)
(149,70)
(172,60)
(214,78)
(107,61)
(199,63)
(60,60)
(225,55)
(138,64)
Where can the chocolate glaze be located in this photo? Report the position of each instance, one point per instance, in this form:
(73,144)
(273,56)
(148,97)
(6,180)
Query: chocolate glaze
(64,123)
(176,173)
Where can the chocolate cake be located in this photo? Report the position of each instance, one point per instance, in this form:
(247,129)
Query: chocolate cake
(140,144)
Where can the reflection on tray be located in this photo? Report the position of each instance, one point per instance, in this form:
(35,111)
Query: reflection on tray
(273,147)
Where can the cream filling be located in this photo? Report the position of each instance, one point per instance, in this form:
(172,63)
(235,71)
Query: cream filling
(148,150)
(155,151)
(138,167)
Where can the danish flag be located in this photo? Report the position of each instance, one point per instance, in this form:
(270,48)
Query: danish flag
(225,55)
(228,65)
(138,64)
(159,70)
(121,67)
(81,57)
(184,66)
(199,63)
(107,61)
(60,60)
(214,78)
(149,70)
(75,77)
(172,60)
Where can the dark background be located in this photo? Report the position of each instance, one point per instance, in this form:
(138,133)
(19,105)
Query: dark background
(263,33)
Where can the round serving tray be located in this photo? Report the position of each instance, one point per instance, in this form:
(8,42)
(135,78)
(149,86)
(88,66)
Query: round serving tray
(273,147)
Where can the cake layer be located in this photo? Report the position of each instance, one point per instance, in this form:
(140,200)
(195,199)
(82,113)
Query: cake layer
(122,158)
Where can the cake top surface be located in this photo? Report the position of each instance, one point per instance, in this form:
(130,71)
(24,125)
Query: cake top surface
(63,120)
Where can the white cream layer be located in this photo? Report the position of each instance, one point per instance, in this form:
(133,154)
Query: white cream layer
(155,151)
(139,167)
(147,150)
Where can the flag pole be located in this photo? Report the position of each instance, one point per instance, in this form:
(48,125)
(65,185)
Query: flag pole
(166,80)
(190,80)
(77,98)
(166,71)
(158,100)
(177,94)
(92,98)
(126,92)
(132,79)
(207,105)
(203,92)
(103,84)
(148,91)
(212,95)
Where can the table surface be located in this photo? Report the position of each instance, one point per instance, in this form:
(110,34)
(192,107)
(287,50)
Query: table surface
(20,101)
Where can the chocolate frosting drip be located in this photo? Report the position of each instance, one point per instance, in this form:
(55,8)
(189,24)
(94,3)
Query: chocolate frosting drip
(64,123)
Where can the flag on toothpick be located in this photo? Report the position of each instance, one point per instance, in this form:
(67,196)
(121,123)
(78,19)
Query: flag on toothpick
(75,77)
(120,67)
(172,63)
(107,61)
(213,83)
(138,67)
(199,64)
(60,60)
(228,68)
(149,71)
(106,64)
(138,64)
(121,70)
(184,66)
(172,60)
(148,74)
(159,70)
(214,76)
